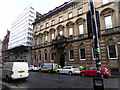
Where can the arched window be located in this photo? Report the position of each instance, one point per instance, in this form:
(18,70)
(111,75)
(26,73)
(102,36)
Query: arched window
(45,55)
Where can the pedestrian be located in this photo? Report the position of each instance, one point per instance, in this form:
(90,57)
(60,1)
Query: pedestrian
(81,67)
(59,66)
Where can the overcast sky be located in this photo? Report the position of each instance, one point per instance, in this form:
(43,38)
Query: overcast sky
(12,8)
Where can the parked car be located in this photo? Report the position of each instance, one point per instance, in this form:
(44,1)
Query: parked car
(33,68)
(92,71)
(15,70)
(68,70)
(49,67)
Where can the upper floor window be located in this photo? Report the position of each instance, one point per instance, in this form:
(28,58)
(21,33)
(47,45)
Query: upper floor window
(60,19)
(61,33)
(81,29)
(80,11)
(82,54)
(70,31)
(35,42)
(52,36)
(93,53)
(41,27)
(40,40)
(71,55)
(105,1)
(53,22)
(46,25)
(108,22)
(46,37)
(36,29)
(70,15)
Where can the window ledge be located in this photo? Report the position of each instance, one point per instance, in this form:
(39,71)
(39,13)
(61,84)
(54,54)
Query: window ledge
(71,59)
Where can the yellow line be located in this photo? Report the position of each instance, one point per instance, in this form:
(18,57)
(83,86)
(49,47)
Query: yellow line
(17,85)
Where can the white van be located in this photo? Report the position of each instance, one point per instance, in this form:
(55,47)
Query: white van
(15,70)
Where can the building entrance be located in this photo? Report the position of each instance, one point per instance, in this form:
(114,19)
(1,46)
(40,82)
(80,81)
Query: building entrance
(62,60)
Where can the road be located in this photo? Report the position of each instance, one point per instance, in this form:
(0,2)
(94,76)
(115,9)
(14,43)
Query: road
(52,80)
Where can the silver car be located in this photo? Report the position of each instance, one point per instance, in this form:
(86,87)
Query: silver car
(68,70)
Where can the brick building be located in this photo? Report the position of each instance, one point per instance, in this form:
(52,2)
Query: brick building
(60,36)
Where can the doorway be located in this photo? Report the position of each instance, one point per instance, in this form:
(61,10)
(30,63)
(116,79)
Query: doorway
(62,60)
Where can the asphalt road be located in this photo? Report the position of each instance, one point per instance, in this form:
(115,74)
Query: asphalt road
(48,80)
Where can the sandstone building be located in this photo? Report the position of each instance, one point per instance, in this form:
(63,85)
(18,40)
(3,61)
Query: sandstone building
(60,36)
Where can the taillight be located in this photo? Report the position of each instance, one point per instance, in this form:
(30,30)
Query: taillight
(11,72)
(28,71)
(75,70)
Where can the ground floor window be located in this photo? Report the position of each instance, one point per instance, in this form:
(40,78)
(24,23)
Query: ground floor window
(45,57)
(112,52)
(40,57)
(34,58)
(71,55)
(82,54)
(52,56)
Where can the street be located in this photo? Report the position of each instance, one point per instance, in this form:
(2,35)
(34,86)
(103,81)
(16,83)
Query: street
(52,80)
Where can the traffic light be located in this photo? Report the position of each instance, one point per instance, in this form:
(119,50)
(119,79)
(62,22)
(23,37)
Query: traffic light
(89,25)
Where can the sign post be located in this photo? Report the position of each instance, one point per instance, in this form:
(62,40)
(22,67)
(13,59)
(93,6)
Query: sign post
(94,33)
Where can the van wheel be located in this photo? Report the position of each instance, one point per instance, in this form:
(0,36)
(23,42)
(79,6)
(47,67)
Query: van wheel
(49,71)
(7,79)
(58,72)
(70,73)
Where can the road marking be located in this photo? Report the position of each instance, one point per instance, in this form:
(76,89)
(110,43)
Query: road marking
(16,85)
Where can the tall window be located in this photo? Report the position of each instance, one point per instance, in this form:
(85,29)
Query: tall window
(39,57)
(93,54)
(46,25)
(40,40)
(105,1)
(81,29)
(70,31)
(36,29)
(52,56)
(82,54)
(70,15)
(71,55)
(41,27)
(61,33)
(60,19)
(112,52)
(108,22)
(46,38)
(35,42)
(45,56)
(80,11)
(52,36)
(34,58)
(53,22)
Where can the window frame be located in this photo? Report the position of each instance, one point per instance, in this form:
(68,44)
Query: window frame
(51,57)
(52,36)
(46,39)
(46,25)
(53,22)
(81,25)
(79,11)
(39,57)
(41,27)
(70,30)
(109,52)
(106,24)
(70,15)
(60,18)
(45,58)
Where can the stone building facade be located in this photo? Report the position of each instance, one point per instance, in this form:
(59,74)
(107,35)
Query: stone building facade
(5,42)
(60,36)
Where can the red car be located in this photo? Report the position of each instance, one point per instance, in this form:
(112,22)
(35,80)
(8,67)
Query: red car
(92,71)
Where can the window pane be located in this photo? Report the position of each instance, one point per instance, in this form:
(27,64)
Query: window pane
(41,27)
(36,29)
(70,15)
(70,31)
(52,36)
(46,38)
(108,22)
(40,40)
(46,24)
(112,51)
(53,22)
(45,56)
(105,1)
(39,57)
(81,29)
(61,33)
(93,54)
(34,58)
(80,11)
(60,19)
(52,56)
(71,54)
(82,53)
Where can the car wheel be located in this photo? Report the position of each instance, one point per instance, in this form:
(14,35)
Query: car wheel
(49,71)
(58,72)
(70,73)
(83,74)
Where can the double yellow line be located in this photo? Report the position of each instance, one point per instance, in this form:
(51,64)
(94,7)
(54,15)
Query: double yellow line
(17,85)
